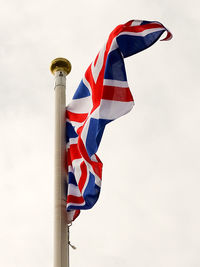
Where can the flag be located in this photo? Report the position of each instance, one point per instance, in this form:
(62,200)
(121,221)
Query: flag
(102,96)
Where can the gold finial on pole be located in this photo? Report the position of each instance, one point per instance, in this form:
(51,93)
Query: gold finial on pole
(60,64)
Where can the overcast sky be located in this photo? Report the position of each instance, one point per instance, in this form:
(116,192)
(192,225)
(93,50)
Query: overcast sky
(148,211)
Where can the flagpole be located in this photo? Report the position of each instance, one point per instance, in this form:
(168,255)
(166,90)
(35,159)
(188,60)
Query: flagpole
(60,67)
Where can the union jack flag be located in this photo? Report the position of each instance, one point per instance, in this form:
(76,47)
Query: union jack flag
(102,96)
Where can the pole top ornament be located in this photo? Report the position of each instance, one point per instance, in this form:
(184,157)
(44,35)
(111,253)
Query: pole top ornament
(60,64)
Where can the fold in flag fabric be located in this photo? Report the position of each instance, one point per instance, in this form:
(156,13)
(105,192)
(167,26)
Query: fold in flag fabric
(102,96)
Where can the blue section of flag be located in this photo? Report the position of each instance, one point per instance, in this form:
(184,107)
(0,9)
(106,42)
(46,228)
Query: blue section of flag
(70,132)
(95,132)
(82,91)
(130,45)
(102,124)
(145,22)
(115,69)
(71,178)
(91,192)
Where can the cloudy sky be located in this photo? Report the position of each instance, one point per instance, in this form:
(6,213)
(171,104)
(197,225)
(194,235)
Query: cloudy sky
(148,211)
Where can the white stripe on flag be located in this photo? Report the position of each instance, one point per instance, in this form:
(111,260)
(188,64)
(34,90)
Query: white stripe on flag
(94,158)
(87,84)
(99,63)
(143,33)
(70,215)
(81,105)
(72,141)
(111,110)
(70,169)
(113,46)
(116,83)
(136,22)
(97,181)
(76,163)
(74,190)
(84,132)
(75,204)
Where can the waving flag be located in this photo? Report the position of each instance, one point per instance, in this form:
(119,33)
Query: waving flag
(102,96)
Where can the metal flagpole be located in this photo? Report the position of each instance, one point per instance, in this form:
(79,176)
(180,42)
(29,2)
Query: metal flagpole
(60,67)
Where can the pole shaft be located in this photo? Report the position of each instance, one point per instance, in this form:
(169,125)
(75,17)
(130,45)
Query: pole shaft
(61,236)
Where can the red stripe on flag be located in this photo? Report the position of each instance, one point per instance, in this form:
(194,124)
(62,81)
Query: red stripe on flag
(97,166)
(74,152)
(78,151)
(76,200)
(117,93)
(78,117)
(83,176)
(95,62)
(168,37)
(141,28)
(76,213)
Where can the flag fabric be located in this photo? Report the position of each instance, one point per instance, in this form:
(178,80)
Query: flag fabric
(102,96)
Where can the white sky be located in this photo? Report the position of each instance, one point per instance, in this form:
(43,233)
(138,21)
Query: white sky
(148,210)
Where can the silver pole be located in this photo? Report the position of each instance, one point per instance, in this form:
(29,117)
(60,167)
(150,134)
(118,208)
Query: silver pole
(60,67)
